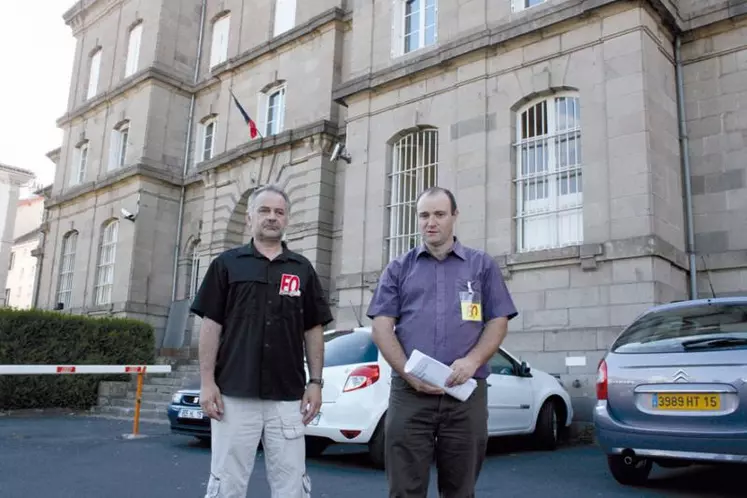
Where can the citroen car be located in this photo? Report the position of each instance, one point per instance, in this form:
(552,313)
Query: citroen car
(672,389)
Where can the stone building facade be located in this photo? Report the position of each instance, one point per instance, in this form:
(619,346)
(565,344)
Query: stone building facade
(559,124)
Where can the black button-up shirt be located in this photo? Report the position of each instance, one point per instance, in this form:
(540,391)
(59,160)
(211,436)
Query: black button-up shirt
(264,308)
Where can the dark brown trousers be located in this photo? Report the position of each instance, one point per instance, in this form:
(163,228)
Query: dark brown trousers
(423,427)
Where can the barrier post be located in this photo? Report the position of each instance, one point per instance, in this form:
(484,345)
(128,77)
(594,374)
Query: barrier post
(138,402)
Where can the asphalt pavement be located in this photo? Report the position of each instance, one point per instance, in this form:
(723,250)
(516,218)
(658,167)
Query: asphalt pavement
(72,456)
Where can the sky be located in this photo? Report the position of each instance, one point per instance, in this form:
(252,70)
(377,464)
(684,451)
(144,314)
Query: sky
(36,54)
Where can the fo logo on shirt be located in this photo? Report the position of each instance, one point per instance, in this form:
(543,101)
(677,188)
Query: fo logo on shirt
(290,285)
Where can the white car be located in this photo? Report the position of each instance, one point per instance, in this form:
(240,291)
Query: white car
(355,397)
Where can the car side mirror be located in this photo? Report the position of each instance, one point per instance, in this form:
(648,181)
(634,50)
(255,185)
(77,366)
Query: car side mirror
(524,369)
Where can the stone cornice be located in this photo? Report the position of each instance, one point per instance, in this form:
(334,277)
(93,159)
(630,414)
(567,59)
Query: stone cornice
(334,14)
(152,171)
(154,73)
(529,22)
(268,144)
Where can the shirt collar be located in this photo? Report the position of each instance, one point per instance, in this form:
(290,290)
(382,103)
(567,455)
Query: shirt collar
(457,249)
(250,250)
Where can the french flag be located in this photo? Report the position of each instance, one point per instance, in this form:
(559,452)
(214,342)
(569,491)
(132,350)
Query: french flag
(253,131)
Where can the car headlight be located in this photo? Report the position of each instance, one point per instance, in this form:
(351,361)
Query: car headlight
(176,398)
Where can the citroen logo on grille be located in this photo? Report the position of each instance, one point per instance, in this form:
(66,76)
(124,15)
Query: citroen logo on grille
(681,376)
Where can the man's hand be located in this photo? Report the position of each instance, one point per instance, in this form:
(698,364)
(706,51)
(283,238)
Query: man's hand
(311,402)
(423,387)
(211,401)
(463,370)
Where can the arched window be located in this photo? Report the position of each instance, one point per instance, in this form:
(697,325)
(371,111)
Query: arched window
(106,263)
(549,194)
(67,269)
(414,169)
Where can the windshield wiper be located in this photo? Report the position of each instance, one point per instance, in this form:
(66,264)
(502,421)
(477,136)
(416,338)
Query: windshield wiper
(714,342)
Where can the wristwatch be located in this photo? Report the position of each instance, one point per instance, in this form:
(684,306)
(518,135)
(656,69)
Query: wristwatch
(317,381)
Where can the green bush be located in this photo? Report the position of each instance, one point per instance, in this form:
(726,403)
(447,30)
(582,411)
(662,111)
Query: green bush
(50,338)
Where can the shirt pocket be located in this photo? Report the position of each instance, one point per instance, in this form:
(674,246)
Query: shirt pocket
(245,286)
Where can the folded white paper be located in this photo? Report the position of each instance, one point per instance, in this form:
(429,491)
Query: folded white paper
(434,372)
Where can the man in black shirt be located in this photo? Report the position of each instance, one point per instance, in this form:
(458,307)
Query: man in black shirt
(262,307)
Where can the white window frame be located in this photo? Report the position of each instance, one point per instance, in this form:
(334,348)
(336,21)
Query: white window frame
(94,74)
(194,270)
(106,263)
(399,26)
(520,5)
(80,164)
(285,16)
(410,175)
(133,49)
(118,146)
(219,45)
(67,269)
(266,126)
(552,218)
(205,151)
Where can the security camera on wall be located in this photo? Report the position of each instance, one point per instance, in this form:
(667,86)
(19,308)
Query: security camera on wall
(340,152)
(127,215)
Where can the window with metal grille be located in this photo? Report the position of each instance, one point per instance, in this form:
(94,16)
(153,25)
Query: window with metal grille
(194,270)
(67,269)
(107,258)
(549,197)
(414,169)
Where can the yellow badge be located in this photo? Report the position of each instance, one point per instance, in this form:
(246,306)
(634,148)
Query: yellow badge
(471,311)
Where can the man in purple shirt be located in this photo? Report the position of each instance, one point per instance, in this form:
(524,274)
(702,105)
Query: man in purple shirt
(450,302)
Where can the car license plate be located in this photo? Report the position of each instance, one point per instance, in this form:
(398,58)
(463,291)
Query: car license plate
(315,420)
(686,402)
(192,414)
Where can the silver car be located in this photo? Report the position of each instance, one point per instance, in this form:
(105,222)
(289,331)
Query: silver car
(672,389)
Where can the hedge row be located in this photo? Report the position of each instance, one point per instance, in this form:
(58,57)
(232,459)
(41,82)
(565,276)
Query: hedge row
(34,337)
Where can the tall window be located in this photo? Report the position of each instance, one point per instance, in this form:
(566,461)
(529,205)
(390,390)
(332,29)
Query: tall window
(133,49)
(94,72)
(415,25)
(549,211)
(275,115)
(107,258)
(285,16)
(206,144)
(219,46)
(67,269)
(414,169)
(80,164)
(519,5)
(118,146)
(194,270)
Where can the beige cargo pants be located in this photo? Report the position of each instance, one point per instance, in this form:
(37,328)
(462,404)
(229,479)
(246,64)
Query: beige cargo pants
(236,437)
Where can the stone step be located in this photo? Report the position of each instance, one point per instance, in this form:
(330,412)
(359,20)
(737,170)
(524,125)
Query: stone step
(144,405)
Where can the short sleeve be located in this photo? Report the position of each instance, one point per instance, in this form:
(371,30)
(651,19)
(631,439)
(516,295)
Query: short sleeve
(497,300)
(316,309)
(210,300)
(386,301)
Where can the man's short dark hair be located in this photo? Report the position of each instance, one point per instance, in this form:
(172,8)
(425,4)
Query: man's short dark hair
(268,188)
(436,190)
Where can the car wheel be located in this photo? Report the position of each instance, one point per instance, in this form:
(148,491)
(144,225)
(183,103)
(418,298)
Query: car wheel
(546,431)
(629,471)
(376,445)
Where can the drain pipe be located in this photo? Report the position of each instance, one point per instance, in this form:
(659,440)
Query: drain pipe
(687,177)
(179,228)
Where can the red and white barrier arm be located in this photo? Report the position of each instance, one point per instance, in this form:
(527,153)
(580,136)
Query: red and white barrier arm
(81,369)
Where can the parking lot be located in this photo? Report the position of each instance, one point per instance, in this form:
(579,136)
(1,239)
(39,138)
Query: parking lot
(68,456)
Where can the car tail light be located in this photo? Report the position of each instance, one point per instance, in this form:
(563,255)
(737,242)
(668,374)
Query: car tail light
(361,377)
(602,380)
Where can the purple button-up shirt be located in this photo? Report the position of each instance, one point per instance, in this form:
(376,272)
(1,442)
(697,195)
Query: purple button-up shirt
(423,294)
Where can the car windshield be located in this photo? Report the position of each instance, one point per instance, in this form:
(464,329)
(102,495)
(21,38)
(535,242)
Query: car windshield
(349,347)
(688,328)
